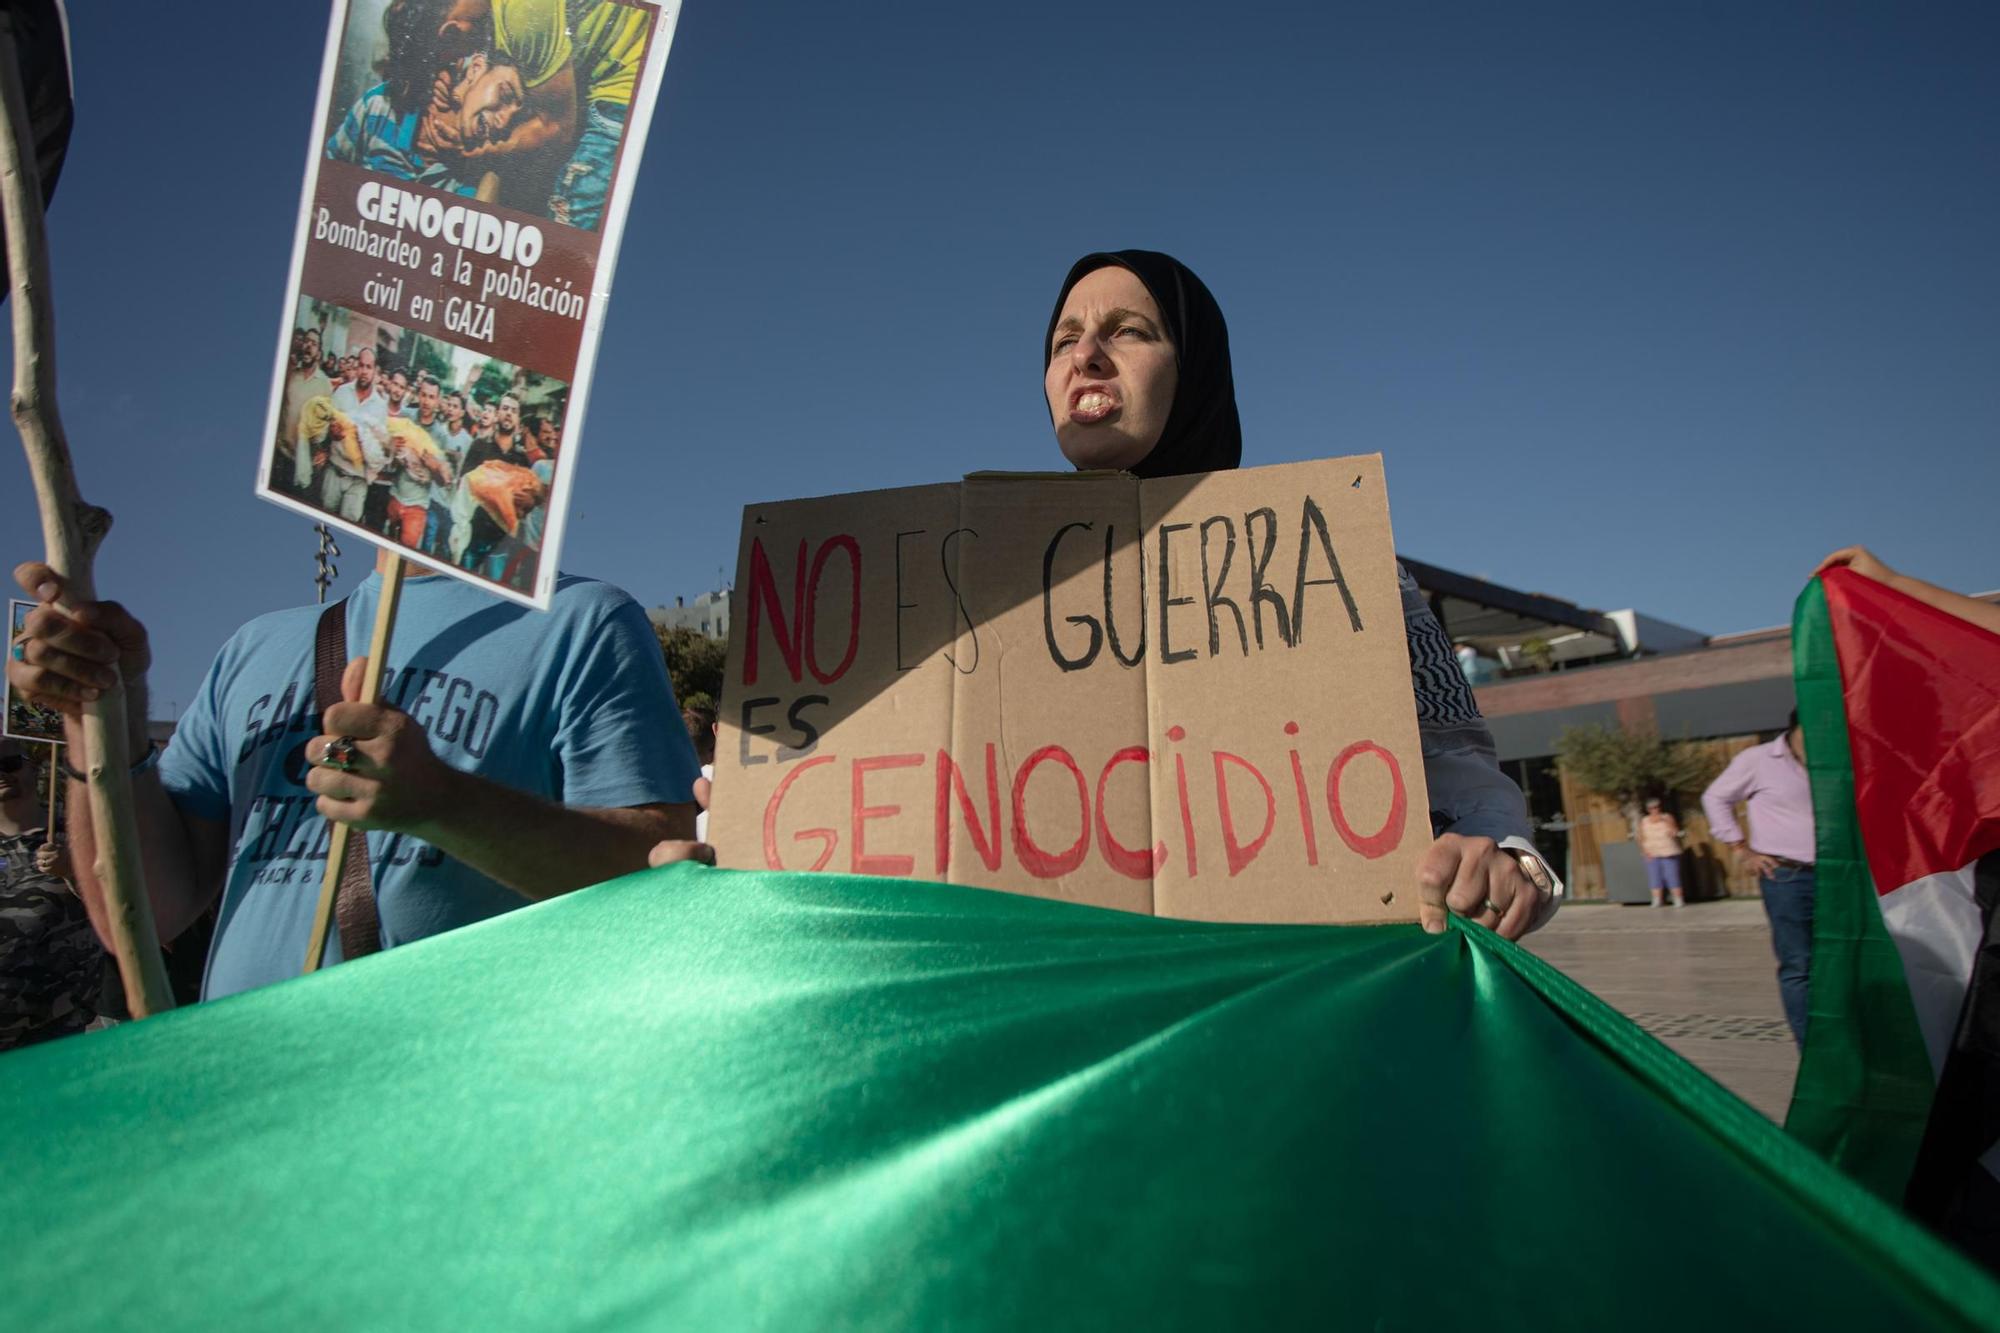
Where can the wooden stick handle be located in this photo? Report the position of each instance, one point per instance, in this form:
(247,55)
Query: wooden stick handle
(55,783)
(371,692)
(71,531)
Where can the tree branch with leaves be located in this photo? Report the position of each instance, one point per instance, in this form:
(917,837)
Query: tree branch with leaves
(1629,766)
(694,663)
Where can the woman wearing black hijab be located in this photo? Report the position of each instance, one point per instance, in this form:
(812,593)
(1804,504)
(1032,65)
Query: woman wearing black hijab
(1136,373)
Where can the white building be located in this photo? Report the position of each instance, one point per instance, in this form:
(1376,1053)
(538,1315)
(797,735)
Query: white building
(707,614)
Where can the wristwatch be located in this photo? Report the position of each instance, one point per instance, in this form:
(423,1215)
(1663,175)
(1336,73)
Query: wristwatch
(1536,869)
(1545,881)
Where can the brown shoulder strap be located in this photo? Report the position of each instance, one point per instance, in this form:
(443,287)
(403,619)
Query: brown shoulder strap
(354,900)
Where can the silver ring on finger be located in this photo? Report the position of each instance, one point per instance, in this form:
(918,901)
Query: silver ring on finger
(339,754)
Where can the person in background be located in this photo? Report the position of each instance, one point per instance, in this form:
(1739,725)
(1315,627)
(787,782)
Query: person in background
(412,483)
(396,391)
(1475,666)
(303,380)
(527,544)
(345,490)
(700,721)
(392,387)
(1660,843)
(524,548)
(479,419)
(507,437)
(51,966)
(488,547)
(531,439)
(455,440)
(1770,781)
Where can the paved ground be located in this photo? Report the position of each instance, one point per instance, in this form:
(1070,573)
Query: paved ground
(1701,978)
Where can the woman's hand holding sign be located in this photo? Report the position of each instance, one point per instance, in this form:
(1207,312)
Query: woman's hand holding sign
(1479,879)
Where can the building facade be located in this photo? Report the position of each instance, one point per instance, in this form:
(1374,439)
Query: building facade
(707,614)
(1540,665)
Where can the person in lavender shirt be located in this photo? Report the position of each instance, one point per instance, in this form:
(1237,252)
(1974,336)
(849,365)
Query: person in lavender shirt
(1770,780)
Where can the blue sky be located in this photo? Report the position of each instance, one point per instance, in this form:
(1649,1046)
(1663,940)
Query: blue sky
(1645,306)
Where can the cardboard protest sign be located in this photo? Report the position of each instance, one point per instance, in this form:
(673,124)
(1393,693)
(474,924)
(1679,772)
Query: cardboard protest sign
(465,195)
(25,721)
(1185,696)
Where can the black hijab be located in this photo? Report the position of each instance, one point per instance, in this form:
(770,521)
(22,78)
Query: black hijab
(1202,433)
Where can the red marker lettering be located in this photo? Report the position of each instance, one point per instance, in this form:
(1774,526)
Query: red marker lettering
(984,841)
(1175,733)
(1240,855)
(764,600)
(1305,806)
(811,620)
(1037,862)
(1390,835)
(828,838)
(857,851)
(1125,860)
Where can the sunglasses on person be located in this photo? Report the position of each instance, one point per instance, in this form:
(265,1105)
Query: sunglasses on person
(13,763)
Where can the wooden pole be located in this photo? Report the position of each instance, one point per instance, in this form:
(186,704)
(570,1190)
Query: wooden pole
(71,532)
(371,692)
(55,781)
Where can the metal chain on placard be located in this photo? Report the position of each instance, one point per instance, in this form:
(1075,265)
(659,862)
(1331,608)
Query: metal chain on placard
(327,571)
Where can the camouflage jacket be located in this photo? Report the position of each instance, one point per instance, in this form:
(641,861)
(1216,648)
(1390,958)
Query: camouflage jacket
(51,965)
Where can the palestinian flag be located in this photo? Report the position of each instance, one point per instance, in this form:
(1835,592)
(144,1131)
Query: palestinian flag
(1900,703)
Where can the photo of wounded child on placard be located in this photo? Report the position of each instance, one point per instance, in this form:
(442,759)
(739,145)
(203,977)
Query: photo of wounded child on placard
(518,102)
(421,445)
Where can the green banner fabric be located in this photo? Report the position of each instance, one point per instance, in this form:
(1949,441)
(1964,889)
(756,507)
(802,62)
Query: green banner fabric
(695,1099)
(1865,1085)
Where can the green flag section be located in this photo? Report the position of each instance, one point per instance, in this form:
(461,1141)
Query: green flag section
(1901,708)
(697,1099)
(1864,1085)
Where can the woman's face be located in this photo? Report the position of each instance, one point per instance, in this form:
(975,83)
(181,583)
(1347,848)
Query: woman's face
(1111,375)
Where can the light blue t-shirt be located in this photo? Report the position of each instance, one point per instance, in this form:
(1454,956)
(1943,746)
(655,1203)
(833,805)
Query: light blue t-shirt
(572,705)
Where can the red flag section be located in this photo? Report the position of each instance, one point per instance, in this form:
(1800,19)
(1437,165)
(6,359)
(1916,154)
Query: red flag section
(1923,717)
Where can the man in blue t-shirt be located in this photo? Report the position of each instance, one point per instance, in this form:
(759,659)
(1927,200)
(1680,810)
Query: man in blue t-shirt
(515,755)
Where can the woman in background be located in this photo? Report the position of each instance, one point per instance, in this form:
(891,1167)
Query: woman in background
(1660,843)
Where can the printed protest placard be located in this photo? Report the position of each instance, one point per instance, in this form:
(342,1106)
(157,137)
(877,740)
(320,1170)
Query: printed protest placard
(1186,696)
(25,721)
(465,195)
